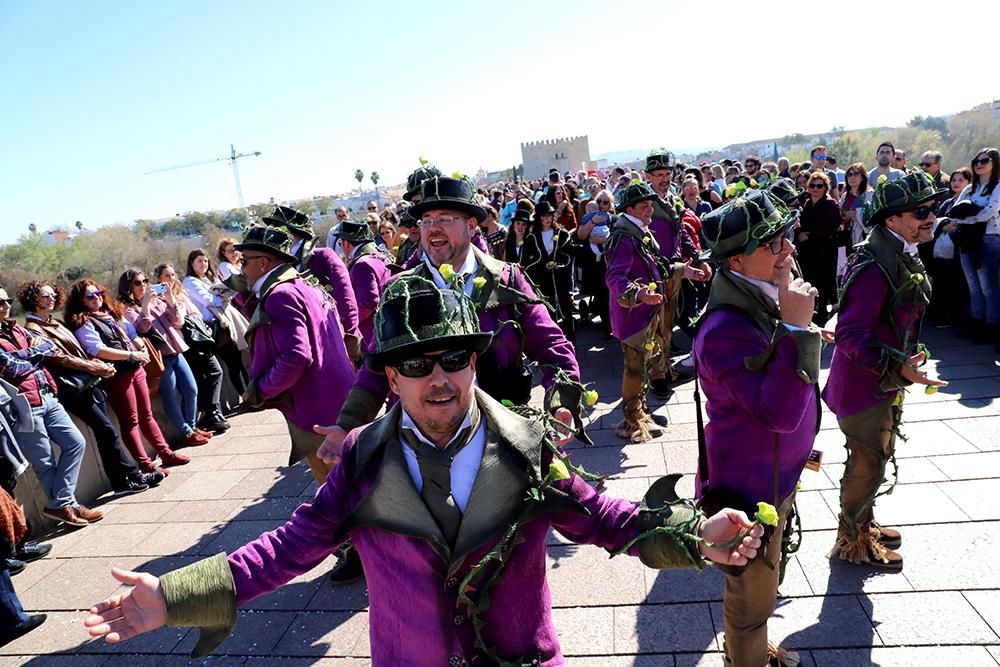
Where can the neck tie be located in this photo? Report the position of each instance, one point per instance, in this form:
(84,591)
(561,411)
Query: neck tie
(435,471)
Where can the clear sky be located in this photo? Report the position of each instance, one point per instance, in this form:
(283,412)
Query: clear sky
(98,92)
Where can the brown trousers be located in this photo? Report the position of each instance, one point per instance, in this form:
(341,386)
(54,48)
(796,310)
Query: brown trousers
(642,365)
(871,443)
(748,601)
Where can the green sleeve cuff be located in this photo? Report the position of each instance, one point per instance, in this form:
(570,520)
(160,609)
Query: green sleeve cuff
(359,409)
(892,361)
(630,297)
(668,528)
(809,344)
(202,595)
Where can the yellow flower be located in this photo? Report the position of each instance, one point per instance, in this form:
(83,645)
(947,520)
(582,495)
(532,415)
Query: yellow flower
(649,346)
(651,287)
(395,248)
(930,390)
(882,179)
(917,278)
(478,282)
(558,470)
(647,239)
(447,271)
(766,514)
(590,398)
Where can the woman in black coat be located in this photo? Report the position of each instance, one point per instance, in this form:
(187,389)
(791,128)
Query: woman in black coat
(547,257)
(816,242)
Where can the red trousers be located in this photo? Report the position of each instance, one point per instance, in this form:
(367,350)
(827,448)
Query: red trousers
(129,398)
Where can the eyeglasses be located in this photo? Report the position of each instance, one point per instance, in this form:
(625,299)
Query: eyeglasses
(926,165)
(422,365)
(93,296)
(817,186)
(776,245)
(978,162)
(853,173)
(244,259)
(6,302)
(922,212)
(144,281)
(443,220)
(372,208)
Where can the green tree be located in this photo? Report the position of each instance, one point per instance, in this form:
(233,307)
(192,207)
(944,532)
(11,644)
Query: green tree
(360,176)
(374,177)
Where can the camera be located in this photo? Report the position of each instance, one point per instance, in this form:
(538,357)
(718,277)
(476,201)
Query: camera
(159,289)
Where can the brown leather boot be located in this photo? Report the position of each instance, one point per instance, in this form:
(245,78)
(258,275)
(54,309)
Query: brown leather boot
(66,515)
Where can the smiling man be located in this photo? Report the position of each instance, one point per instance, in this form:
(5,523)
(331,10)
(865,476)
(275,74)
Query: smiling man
(447,477)
(757,359)
(884,294)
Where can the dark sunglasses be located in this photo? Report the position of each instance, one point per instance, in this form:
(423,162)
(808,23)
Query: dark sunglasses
(93,295)
(922,212)
(817,186)
(422,365)
(6,302)
(144,281)
(981,161)
(926,165)
(854,173)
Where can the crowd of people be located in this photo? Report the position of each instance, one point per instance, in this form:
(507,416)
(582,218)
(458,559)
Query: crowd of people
(408,307)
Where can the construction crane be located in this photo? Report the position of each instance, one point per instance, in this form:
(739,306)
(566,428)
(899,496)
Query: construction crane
(233,157)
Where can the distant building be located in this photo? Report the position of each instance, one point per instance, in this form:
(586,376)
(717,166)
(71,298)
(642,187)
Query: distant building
(568,154)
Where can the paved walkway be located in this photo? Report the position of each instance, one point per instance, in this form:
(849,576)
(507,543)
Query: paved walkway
(944,608)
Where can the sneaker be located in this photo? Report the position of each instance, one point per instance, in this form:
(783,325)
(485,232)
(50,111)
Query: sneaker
(171,458)
(129,487)
(194,439)
(348,569)
(32,551)
(66,515)
(87,514)
(15,565)
(21,629)
(152,478)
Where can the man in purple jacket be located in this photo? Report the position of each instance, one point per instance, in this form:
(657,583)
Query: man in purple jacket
(448,479)
(369,268)
(757,360)
(298,360)
(883,296)
(324,267)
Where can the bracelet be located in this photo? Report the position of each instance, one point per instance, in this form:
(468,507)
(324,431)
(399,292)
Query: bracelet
(130,355)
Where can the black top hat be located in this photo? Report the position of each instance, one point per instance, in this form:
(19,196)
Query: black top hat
(452,194)
(406,220)
(415,317)
(542,209)
(904,194)
(297,222)
(660,158)
(632,194)
(743,224)
(521,213)
(271,240)
(415,179)
(354,231)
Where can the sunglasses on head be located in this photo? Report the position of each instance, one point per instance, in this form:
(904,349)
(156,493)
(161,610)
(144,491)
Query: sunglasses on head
(981,161)
(422,365)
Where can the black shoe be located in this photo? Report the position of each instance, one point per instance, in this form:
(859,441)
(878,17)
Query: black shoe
(214,422)
(151,479)
(661,389)
(129,487)
(347,570)
(15,566)
(21,629)
(682,374)
(32,550)
(659,420)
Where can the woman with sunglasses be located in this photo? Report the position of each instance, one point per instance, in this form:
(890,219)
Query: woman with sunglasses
(156,316)
(980,250)
(98,321)
(816,242)
(39,299)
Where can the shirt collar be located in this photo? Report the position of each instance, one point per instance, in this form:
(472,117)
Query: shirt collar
(468,268)
(908,248)
(635,221)
(260,281)
(770,290)
(408,423)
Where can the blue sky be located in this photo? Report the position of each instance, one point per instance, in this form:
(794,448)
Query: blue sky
(96,93)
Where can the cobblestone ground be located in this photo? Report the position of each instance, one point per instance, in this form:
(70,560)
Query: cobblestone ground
(944,608)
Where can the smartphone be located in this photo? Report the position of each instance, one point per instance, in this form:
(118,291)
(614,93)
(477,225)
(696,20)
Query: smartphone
(159,289)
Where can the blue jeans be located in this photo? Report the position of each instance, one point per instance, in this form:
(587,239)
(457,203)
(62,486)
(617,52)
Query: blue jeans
(57,476)
(984,282)
(11,612)
(178,378)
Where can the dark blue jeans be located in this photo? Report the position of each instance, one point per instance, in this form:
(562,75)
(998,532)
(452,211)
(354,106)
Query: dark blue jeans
(11,612)
(92,410)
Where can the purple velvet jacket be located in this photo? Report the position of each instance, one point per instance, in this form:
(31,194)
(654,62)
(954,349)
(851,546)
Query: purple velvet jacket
(630,261)
(298,361)
(413,576)
(369,275)
(540,338)
(668,230)
(331,272)
(745,408)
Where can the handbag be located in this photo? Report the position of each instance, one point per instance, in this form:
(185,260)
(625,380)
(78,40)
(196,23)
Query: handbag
(968,238)
(154,367)
(73,385)
(196,333)
(220,332)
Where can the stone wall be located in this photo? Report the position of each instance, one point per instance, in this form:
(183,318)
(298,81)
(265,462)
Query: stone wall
(567,154)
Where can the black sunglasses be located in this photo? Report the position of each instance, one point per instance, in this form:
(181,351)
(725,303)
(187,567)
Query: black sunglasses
(922,212)
(144,281)
(422,365)
(817,186)
(6,302)
(981,161)
(926,165)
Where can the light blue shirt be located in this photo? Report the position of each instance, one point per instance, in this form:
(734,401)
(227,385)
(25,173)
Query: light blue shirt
(464,465)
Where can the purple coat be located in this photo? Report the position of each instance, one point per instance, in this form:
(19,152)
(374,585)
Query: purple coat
(331,272)
(626,266)
(298,361)
(864,326)
(746,408)
(412,575)
(369,275)
(543,340)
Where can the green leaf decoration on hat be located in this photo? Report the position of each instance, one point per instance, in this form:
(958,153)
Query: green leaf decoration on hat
(423,161)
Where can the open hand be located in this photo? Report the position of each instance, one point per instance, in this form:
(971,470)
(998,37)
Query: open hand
(723,528)
(912,372)
(649,297)
(333,443)
(563,436)
(123,616)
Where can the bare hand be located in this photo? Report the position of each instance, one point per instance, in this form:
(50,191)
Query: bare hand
(724,527)
(911,372)
(142,357)
(333,443)
(147,296)
(827,335)
(123,616)
(802,236)
(698,274)
(106,370)
(650,298)
(564,416)
(796,298)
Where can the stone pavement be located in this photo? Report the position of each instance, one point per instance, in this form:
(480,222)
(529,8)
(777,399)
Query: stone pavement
(944,608)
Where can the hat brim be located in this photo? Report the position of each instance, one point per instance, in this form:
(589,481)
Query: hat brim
(263,247)
(409,194)
(443,204)
(352,238)
(786,224)
(296,229)
(377,361)
(879,217)
(649,197)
